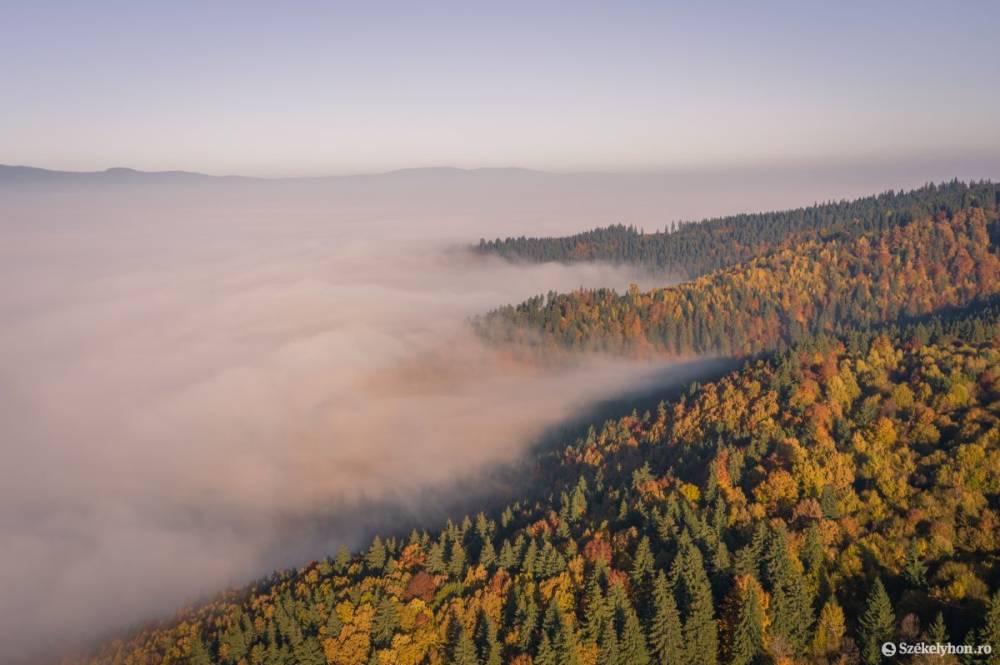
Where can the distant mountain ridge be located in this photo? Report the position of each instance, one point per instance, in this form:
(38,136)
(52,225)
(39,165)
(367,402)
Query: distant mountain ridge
(25,174)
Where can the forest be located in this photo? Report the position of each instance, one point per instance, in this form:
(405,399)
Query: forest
(839,489)
(693,249)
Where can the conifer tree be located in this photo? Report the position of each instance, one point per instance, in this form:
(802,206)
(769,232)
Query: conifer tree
(829,629)
(990,633)
(487,555)
(456,560)
(199,653)
(375,558)
(747,639)
(385,623)
(461,649)
(701,637)
(487,644)
(665,637)
(545,655)
(790,610)
(937,632)
(876,624)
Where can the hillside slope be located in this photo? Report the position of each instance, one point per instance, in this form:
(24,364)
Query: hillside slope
(775,300)
(692,250)
(772,512)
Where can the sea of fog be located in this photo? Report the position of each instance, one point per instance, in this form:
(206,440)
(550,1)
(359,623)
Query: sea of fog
(192,380)
(202,381)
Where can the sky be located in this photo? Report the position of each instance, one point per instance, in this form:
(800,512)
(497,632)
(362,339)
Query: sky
(304,88)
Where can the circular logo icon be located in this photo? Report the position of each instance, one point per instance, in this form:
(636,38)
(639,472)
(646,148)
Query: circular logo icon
(888,649)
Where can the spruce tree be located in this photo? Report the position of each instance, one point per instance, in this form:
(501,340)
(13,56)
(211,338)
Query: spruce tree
(747,640)
(385,623)
(937,632)
(829,629)
(665,637)
(791,609)
(375,558)
(461,649)
(641,577)
(456,560)
(199,653)
(701,636)
(487,644)
(876,624)
(990,633)
(545,654)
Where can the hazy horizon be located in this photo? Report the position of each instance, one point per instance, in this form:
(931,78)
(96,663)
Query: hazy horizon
(261,90)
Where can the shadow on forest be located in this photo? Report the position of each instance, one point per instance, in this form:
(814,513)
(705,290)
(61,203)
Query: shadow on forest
(321,534)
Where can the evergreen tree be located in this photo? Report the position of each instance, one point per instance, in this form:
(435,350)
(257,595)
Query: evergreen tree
(829,629)
(990,633)
(665,630)
(876,624)
(632,642)
(545,655)
(461,649)
(487,644)
(342,560)
(701,637)
(790,610)
(914,570)
(456,560)
(199,653)
(747,640)
(375,558)
(385,623)
(937,632)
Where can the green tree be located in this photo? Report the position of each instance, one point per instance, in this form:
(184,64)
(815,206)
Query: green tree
(876,624)
(665,636)
(747,640)
(375,557)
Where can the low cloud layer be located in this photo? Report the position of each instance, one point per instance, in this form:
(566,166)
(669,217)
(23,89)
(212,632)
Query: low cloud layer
(202,381)
(192,384)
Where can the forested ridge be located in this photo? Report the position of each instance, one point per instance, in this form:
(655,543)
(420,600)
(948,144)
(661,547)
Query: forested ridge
(774,300)
(804,508)
(693,249)
(839,489)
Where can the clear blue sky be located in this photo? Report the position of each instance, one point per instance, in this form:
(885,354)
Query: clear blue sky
(289,88)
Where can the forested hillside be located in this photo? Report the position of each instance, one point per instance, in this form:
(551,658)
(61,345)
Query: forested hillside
(839,490)
(775,300)
(691,250)
(801,509)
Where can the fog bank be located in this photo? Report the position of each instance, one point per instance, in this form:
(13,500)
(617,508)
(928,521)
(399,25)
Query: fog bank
(193,381)
(203,380)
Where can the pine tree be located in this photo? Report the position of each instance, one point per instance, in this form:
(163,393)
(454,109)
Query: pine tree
(487,644)
(914,570)
(790,610)
(990,633)
(342,560)
(641,577)
(487,555)
(632,643)
(665,630)
(876,624)
(937,632)
(747,639)
(435,560)
(545,655)
(199,653)
(701,637)
(385,623)
(375,558)
(461,649)
(829,629)
(456,561)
